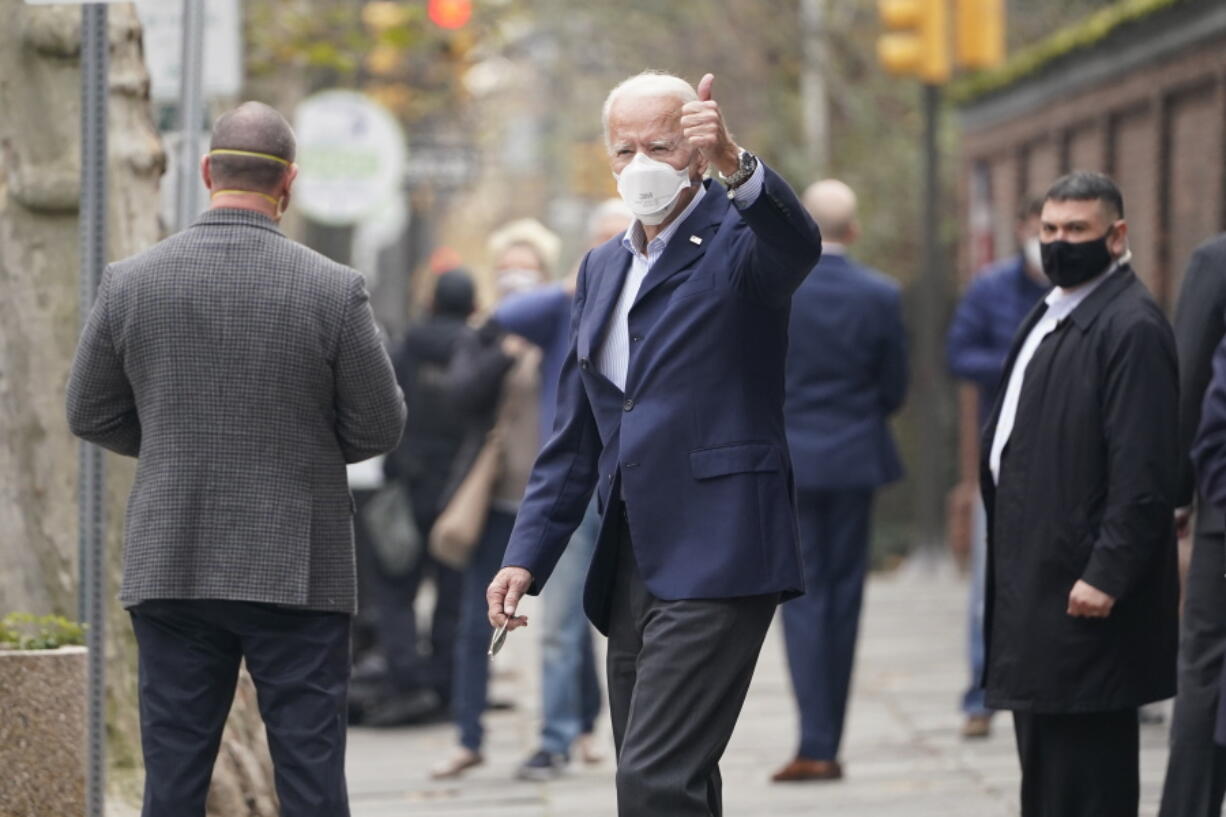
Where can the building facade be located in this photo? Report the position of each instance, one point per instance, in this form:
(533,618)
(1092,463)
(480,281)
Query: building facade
(1137,92)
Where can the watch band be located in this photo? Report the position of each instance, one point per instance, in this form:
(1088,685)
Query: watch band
(748,164)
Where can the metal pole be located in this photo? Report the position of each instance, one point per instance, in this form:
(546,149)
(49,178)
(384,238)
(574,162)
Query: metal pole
(92,591)
(930,483)
(191,114)
(815,107)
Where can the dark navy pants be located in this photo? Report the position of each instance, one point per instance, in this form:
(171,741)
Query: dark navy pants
(190,652)
(820,627)
(396,621)
(470,686)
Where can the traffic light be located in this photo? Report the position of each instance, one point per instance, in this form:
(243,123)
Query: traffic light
(450,14)
(917,42)
(979,39)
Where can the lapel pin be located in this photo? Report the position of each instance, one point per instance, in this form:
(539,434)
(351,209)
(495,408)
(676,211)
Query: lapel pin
(695,239)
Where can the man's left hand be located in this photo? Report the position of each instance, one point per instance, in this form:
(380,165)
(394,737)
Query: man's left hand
(1087,601)
(703,126)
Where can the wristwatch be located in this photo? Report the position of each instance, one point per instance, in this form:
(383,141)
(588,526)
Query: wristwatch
(748,164)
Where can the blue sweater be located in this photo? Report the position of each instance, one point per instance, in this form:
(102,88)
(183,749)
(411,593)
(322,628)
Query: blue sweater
(997,301)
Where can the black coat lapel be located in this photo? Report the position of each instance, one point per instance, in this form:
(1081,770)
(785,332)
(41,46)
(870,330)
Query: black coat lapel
(989,430)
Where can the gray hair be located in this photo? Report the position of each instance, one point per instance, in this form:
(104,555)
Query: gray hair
(646,84)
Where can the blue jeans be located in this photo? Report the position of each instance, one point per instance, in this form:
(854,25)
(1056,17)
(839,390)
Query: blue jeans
(570,689)
(973,700)
(470,686)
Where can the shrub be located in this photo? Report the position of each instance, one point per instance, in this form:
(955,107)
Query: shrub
(24,631)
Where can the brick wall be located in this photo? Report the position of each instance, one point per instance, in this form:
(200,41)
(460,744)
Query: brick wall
(1158,129)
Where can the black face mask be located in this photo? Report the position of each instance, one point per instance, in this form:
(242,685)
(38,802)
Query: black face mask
(1067,264)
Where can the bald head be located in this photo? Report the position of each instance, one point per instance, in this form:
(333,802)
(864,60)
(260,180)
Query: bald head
(252,127)
(833,206)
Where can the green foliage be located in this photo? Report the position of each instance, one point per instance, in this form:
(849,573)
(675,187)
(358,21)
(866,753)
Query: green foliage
(1034,58)
(24,631)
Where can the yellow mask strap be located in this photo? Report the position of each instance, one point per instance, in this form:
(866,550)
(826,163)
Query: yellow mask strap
(232,152)
(216,193)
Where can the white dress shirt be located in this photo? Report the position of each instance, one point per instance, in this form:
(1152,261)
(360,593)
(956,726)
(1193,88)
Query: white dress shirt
(614,358)
(1060,304)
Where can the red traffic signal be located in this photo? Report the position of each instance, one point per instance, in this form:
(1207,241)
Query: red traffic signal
(450,14)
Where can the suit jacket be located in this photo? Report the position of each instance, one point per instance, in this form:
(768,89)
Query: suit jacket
(1200,323)
(846,374)
(695,445)
(244,371)
(1087,488)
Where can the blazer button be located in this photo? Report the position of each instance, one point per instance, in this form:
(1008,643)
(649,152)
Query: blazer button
(584,364)
(628,405)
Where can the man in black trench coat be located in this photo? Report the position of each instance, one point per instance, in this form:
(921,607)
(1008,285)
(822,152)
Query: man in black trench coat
(1079,476)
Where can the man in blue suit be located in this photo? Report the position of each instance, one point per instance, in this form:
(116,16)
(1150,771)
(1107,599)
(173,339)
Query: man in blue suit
(846,374)
(670,405)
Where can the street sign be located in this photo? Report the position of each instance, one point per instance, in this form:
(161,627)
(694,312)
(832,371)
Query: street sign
(351,157)
(223,48)
(444,167)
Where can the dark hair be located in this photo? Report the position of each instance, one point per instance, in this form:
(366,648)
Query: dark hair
(1029,206)
(254,127)
(454,293)
(1085,186)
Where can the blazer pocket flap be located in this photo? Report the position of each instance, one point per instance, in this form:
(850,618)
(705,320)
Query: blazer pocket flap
(735,459)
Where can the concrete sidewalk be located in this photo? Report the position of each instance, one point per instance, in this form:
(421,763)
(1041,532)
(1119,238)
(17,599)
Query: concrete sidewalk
(902,753)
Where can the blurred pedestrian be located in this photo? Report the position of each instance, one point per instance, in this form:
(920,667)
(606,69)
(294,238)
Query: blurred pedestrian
(418,686)
(244,371)
(671,406)
(1079,477)
(980,335)
(1196,767)
(846,375)
(570,688)
(494,379)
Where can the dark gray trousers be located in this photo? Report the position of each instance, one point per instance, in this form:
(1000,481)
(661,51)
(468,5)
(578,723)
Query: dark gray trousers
(678,675)
(1196,767)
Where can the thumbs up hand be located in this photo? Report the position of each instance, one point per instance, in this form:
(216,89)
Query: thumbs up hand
(703,126)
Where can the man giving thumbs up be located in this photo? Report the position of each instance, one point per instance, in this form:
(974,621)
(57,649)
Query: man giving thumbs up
(670,407)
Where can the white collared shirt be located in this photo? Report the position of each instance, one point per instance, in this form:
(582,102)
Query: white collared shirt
(1060,304)
(614,358)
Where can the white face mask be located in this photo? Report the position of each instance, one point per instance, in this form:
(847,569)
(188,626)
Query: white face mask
(650,188)
(515,280)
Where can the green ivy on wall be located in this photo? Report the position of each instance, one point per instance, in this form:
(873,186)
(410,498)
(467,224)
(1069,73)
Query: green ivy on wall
(1034,58)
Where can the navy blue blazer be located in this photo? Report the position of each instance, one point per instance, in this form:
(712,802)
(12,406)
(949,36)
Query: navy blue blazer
(696,444)
(846,374)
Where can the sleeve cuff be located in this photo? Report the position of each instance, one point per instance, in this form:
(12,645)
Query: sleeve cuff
(745,195)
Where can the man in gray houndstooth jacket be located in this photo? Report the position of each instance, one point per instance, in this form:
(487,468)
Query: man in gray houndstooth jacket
(244,371)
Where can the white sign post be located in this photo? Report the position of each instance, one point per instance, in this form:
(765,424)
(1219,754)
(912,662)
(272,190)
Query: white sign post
(351,157)
(222,75)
